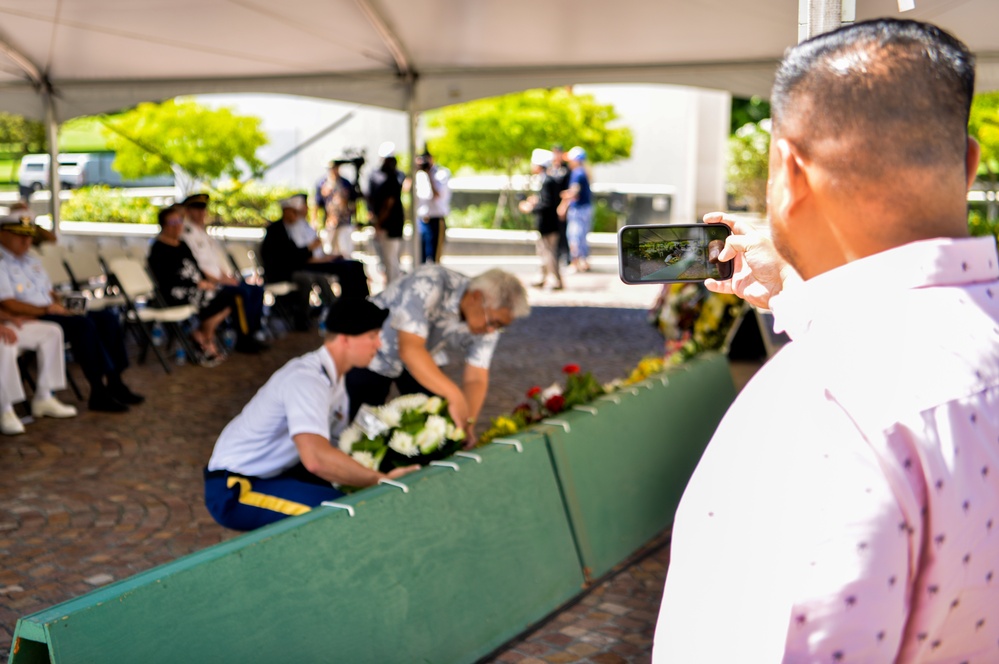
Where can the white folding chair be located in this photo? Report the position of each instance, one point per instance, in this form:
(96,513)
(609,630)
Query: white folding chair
(87,274)
(244,260)
(54,266)
(139,292)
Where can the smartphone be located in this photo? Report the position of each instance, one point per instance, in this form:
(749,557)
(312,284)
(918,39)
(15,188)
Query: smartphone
(670,253)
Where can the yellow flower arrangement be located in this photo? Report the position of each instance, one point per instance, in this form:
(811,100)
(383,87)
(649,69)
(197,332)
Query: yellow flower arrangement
(646,367)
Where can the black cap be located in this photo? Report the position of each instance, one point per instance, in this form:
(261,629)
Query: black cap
(354,315)
(196,201)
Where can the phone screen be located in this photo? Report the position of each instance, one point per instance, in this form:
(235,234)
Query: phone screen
(672,252)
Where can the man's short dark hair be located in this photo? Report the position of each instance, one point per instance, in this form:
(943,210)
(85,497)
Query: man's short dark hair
(902,88)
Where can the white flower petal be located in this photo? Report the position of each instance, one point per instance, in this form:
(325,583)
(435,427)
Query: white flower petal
(404,444)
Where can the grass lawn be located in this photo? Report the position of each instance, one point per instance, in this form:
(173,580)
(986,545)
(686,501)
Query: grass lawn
(8,171)
(82,135)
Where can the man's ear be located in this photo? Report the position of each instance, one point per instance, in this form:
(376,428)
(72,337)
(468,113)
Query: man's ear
(793,176)
(973,156)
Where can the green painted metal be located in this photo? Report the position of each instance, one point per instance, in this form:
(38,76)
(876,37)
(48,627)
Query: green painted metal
(445,573)
(623,469)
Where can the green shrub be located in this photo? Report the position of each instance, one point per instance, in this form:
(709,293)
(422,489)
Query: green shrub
(251,204)
(483,215)
(605,219)
(748,158)
(232,205)
(103,203)
(978,223)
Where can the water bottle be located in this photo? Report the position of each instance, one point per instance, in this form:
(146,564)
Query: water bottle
(157,335)
(180,358)
(229,338)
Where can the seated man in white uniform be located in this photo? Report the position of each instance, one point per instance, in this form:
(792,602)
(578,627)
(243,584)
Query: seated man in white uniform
(45,338)
(279,457)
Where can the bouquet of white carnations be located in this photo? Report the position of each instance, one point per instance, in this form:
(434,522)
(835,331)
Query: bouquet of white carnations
(411,429)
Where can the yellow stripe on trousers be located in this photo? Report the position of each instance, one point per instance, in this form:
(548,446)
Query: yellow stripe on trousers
(241,313)
(256,499)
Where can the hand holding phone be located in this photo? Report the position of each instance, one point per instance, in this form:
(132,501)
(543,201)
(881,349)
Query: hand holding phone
(671,253)
(760,271)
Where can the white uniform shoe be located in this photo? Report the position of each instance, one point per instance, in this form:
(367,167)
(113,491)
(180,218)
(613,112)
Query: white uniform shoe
(52,407)
(10,424)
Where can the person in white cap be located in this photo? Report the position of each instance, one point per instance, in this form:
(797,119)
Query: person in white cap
(544,205)
(45,338)
(385,211)
(292,251)
(96,336)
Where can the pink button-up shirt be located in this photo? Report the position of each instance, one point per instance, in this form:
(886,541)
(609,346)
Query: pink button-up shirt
(847,508)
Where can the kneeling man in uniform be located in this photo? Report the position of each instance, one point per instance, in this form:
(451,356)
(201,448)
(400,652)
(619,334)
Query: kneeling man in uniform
(276,459)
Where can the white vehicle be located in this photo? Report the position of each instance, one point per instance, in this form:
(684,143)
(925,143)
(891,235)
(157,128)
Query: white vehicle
(78,170)
(34,172)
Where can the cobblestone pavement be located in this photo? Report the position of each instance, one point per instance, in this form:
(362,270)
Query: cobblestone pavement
(101,497)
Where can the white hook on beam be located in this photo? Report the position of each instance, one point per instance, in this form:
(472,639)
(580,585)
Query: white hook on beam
(385,480)
(557,423)
(339,506)
(509,441)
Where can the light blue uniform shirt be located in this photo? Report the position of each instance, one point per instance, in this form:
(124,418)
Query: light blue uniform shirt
(24,279)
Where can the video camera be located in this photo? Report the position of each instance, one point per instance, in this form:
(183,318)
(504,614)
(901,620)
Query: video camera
(354,157)
(351,156)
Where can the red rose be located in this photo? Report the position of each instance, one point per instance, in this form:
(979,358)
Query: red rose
(571,369)
(533,392)
(555,403)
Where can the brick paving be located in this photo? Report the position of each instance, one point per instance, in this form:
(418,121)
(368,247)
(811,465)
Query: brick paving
(101,497)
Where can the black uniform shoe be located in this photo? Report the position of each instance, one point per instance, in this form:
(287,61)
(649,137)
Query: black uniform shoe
(120,392)
(250,345)
(105,403)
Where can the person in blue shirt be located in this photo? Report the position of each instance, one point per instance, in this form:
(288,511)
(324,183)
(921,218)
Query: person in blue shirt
(577,208)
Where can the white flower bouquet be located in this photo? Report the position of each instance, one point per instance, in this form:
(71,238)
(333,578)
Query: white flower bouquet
(411,429)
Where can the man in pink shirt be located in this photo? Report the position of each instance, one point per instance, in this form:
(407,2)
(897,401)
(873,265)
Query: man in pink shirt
(847,508)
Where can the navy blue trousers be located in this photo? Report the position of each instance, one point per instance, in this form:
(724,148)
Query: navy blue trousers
(98,344)
(251,299)
(247,503)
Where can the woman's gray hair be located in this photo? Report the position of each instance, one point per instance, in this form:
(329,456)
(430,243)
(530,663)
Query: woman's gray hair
(502,290)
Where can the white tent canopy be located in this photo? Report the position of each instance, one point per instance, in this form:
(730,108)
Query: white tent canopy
(105,55)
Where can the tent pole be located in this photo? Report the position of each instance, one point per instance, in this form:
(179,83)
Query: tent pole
(415,246)
(55,185)
(818,16)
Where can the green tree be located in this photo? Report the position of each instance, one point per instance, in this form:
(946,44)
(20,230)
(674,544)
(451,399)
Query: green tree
(179,136)
(749,110)
(984,126)
(748,159)
(19,135)
(499,133)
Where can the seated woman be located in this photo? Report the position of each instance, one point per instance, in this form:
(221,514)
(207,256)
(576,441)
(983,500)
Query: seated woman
(181,282)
